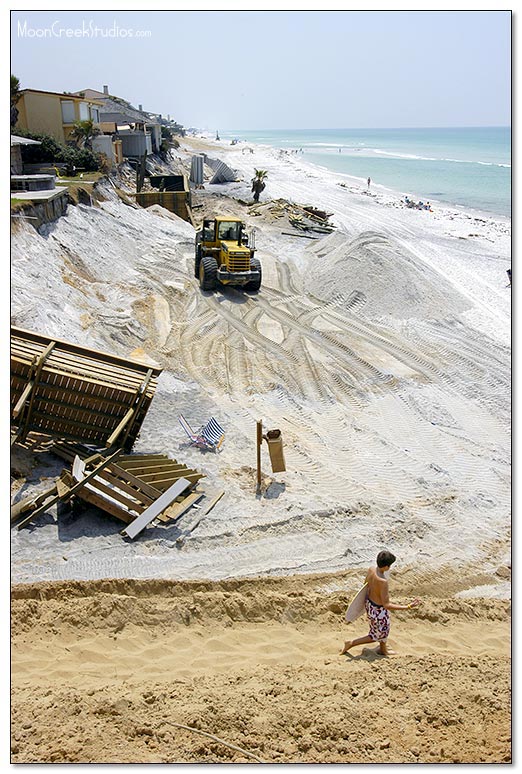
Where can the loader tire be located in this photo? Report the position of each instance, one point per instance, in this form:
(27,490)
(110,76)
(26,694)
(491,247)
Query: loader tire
(208,273)
(255,263)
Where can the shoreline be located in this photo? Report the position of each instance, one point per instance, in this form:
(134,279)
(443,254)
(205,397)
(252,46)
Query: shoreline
(445,208)
(411,191)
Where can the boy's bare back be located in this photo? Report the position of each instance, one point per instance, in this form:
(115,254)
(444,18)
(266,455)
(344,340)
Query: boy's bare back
(377,587)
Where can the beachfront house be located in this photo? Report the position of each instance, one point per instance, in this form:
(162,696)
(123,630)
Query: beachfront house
(55,113)
(137,130)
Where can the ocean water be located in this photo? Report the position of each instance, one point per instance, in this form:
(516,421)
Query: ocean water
(469,167)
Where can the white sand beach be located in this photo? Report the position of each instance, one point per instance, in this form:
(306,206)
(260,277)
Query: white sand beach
(382,353)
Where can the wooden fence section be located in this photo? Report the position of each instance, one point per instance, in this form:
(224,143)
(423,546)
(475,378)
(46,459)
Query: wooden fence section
(177,202)
(132,484)
(65,391)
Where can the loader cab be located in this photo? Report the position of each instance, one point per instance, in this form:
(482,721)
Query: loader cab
(229,230)
(216,230)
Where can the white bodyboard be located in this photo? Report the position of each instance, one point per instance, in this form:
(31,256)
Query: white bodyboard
(356,606)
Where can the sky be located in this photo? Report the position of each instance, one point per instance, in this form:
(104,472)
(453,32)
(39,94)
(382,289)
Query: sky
(278,69)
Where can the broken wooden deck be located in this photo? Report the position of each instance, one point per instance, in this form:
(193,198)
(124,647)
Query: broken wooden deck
(70,392)
(132,485)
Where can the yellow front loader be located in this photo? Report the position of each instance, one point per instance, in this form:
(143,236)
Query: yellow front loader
(225,254)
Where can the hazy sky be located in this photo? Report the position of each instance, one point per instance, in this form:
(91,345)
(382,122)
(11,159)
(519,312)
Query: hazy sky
(278,69)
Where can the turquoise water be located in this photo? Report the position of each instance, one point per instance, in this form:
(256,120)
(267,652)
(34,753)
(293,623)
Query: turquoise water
(470,167)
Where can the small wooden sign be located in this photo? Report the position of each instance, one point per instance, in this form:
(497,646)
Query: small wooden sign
(275,449)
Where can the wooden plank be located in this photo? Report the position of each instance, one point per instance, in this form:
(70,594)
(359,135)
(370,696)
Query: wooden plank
(142,394)
(93,380)
(204,513)
(146,488)
(92,365)
(23,335)
(40,433)
(16,436)
(120,496)
(39,365)
(125,487)
(175,511)
(294,233)
(212,503)
(75,414)
(21,401)
(105,505)
(114,435)
(158,475)
(126,379)
(57,393)
(156,468)
(158,481)
(57,422)
(125,459)
(54,373)
(64,483)
(80,387)
(31,502)
(156,508)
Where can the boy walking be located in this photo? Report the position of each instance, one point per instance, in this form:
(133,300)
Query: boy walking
(378,605)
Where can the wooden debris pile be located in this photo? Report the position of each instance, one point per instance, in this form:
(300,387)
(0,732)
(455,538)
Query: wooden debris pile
(62,390)
(138,489)
(302,217)
(90,406)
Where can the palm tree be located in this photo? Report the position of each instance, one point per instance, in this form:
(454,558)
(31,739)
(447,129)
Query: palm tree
(258,183)
(15,96)
(83,132)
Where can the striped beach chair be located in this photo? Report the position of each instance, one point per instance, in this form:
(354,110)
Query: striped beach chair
(209,436)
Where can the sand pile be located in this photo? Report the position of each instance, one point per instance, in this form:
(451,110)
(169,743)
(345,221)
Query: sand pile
(255,664)
(381,277)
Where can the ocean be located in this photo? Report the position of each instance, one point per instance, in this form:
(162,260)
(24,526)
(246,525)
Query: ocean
(468,167)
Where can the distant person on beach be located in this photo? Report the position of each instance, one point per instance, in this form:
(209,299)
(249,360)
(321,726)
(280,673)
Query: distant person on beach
(378,605)
(369,181)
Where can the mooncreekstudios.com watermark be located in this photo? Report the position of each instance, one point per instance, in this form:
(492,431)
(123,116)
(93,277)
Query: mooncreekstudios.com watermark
(86,30)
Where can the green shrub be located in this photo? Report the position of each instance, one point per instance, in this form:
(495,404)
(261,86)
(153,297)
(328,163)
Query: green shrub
(51,151)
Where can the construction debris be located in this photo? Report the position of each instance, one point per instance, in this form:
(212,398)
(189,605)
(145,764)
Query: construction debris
(302,217)
(222,173)
(61,394)
(137,489)
(62,390)
(63,490)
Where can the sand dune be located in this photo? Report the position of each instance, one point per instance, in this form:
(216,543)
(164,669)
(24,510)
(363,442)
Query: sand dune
(100,669)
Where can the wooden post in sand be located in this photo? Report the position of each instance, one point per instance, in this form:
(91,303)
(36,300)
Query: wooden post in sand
(259,440)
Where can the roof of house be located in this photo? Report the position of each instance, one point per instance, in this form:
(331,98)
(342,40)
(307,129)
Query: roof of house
(119,110)
(62,94)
